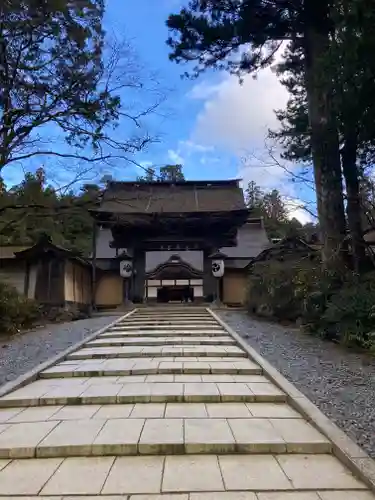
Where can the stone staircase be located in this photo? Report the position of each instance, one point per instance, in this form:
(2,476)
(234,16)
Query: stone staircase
(163,405)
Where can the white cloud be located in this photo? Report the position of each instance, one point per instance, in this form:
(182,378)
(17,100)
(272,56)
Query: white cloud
(175,157)
(204,90)
(236,118)
(145,164)
(296,210)
(186,149)
(256,165)
(193,147)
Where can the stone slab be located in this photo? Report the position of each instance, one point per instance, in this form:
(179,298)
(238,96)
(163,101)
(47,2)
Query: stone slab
(192,473)
(253,472)
(78,476)
(117,437)
(130,475)
(20,440)
(162,436)
(316,472)
(27,477)
(70,438)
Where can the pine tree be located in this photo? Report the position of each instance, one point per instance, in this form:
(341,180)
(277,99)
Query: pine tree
(211,34)
(353,74)
(172,173)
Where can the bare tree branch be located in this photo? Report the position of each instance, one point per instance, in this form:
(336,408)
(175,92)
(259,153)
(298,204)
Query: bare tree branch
(86,86)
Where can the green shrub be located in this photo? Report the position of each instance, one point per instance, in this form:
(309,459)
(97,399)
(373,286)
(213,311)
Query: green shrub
(279,288)
(337,307)
(16,312)
(349,315)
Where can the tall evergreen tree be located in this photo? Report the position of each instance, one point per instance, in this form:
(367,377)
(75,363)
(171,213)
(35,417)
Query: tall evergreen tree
(171,173)
(167,173)
(353,75)
(211,34)
(33,208)
(254,198)
(274,210)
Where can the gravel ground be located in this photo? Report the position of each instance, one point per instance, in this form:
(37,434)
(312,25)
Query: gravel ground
(340,382)
(21,353)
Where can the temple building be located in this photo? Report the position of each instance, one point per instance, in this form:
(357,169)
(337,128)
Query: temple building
(170,232)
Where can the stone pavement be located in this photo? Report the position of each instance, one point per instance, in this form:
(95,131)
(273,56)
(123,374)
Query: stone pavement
(163,406)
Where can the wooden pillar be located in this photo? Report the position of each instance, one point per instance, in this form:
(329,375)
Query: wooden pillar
(209,284)
(93,276)
(27,279)
(139,266)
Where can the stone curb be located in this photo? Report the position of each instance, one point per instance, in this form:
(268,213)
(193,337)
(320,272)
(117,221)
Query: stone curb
(343,447)
(32,374)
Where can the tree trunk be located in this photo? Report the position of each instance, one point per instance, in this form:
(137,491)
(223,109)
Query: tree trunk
(324,137)
(354,208)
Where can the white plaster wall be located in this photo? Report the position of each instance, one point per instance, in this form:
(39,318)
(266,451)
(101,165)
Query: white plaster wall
(32,282)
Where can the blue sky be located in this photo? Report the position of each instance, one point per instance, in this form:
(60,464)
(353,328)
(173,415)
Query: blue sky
(213,126)
(143,23)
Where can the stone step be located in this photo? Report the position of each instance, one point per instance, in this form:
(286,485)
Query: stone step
(172,326)
(110,342)
(143,366)
(182,477)
(172,308)
(179,324)
(165,333)
(148,410)
(102,436)
(52,382)
(168,319)
(195,316)
(36,394)
(157,351)
(176,315)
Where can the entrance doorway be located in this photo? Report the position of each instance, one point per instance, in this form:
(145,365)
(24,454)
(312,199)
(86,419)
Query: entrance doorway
(174,290)
(176,293)
(174,281)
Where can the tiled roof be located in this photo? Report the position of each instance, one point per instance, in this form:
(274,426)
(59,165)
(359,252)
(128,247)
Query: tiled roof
(252,239)
(164,197)
(8,252)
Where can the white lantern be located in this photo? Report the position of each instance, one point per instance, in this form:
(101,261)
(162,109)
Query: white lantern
(217,268)
(126,268)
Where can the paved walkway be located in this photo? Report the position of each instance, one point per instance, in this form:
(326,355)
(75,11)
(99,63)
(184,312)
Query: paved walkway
(164,405)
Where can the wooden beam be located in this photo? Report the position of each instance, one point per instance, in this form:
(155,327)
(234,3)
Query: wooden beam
(93,277)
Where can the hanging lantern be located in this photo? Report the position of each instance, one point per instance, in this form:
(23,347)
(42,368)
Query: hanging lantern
(217,264)
(126,268)
(126,265)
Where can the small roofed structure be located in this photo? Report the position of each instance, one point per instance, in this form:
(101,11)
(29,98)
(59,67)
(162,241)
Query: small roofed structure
(49,273)
(287,248)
